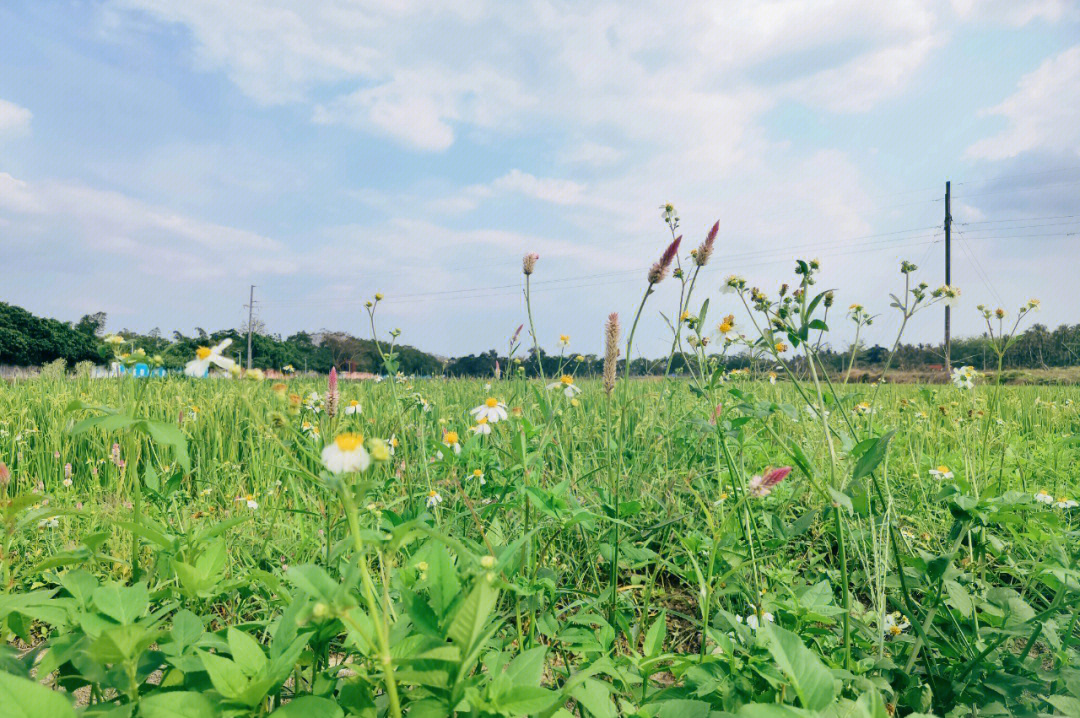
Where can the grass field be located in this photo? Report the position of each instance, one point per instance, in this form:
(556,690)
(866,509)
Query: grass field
(594,548)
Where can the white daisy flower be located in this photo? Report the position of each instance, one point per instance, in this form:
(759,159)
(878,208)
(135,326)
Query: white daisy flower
(482,426)
(433,499)
(964,377)
(353,407)
(452,440)
(492,410)
(478,474)
(206,357)
(564,340)
(941,472)
(1044,497)
(249,501)
(566,383)
(753,622)
(346,453)
(1065,503)
(772,377)
(895,624)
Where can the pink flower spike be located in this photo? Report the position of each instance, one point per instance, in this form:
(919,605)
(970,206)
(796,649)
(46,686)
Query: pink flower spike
(761,486)
(332,393)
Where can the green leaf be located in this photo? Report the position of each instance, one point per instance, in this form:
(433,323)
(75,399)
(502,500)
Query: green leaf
(527,668)
(872,457)
(310,707)
(246,651)
(812,681)
(524,700)
(472,615)
(23,698)
(228,679)
(169,435)
(177,704)
(123,604)
(654,638)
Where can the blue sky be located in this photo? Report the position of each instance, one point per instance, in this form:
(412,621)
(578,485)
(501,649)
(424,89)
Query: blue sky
(157,157)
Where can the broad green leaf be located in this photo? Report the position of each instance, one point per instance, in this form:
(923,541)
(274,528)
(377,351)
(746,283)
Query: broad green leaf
(310,707)
(472,615)
(228,679)
(177,704)
(123,604)
(246,651)
(654,638)
(812,681)
(22,698)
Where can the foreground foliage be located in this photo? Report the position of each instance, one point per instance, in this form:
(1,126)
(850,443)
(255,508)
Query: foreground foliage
(208,548)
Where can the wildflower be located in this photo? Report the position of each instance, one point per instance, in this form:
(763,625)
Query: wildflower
(114,339)
(479,475)
(752,619)
(780,347)
(67,471)
(659,270)
(949,295)
(1065,503)
(48,523)
(721,499)
(704,251)
(433,499)
(482,426)
(249,500)
(863,409)
(964,377)
(566,382)
(491,410)
(528,263)
(288,369)
(205,357)
(732,284)
(1034,305)
(353,407)
(332,395)
(392,444)
(451,440)
(114,456)
(999,313)
(895,624)
(564,340)
(1044,497)
(68,482)
(346,454)
(313,402)
(941,472)
(761,486)
(379,450)
(726,328)
(772,377)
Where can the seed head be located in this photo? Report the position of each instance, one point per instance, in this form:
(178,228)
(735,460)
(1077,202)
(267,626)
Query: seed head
(332,393)
(611,351)
(528,263)
(702,253)
(659,270)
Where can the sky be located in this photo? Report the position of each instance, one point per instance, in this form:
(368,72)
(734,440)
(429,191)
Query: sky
(157,157)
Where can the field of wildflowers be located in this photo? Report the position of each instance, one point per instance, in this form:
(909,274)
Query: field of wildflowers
(730,543)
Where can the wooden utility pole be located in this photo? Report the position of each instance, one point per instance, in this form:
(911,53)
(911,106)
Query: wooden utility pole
(251,316)
(948,272)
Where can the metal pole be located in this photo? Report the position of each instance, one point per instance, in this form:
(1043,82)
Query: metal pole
(948,273)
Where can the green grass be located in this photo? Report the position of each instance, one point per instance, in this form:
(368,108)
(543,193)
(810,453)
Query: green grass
(691,550)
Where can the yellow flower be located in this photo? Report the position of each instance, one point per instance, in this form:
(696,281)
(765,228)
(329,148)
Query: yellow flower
(780,347)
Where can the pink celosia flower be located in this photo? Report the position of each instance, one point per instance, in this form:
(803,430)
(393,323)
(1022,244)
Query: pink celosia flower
(761,486)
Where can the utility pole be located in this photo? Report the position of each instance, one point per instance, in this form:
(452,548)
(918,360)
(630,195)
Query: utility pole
(948,272)
(251,313)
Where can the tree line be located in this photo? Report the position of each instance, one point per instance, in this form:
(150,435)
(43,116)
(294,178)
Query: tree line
(28,340)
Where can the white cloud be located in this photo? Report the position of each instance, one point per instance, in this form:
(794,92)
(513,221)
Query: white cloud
(423,72)
(14,120)
(77,219)
(1043,114)
(1015,12)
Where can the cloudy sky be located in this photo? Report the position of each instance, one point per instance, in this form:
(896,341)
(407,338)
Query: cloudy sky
(158,156)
